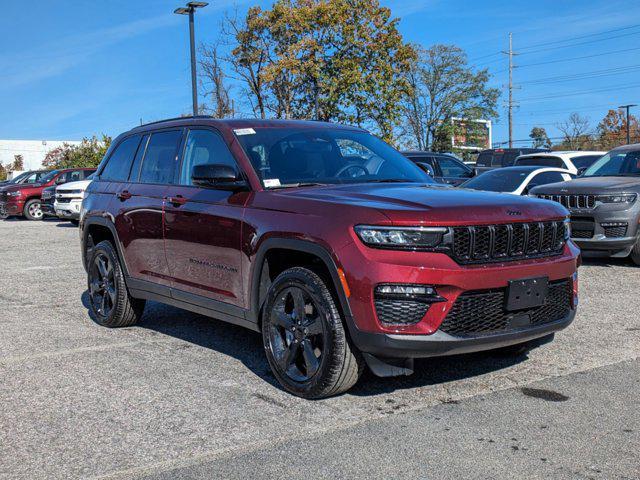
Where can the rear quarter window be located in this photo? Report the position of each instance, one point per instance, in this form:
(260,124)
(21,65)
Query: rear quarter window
(119,163)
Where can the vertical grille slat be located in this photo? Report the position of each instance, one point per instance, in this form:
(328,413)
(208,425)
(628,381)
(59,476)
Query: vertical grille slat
(580,201)
(495,243)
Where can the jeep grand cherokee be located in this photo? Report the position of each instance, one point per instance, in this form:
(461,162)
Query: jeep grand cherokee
(328,241)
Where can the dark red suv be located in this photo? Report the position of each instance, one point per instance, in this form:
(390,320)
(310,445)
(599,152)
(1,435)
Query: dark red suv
(24,199)
(337,248)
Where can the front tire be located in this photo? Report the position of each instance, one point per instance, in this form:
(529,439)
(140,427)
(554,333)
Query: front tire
(33,209)
(109,299)
(305,339)
(635,253)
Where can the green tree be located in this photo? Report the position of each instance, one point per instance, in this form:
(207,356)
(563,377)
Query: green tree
(540,138)
(442,86)
(88,153)
(3,172)
(340,60)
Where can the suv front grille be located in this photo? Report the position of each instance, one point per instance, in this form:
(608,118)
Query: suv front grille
(495,243)
(483,312)
(614,231)
(572,201)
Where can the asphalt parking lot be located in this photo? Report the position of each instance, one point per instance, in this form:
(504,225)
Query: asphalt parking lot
(184,396)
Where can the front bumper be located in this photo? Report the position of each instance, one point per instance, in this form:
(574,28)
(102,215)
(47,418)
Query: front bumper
(440,343)
(11,208)
(70,210)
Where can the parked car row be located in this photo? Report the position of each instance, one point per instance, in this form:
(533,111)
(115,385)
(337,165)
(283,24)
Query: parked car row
(35,194)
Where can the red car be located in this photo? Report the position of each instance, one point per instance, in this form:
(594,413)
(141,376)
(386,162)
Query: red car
(341,251)
(25,199)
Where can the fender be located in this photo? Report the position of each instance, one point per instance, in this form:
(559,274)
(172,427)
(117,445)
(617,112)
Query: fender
(302,246)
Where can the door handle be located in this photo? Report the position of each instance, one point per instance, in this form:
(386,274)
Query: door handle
(176,201)
(123,195)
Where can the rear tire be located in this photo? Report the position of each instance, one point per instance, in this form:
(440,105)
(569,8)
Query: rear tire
(109,299)
(635,253)
(33,209)
(305,339)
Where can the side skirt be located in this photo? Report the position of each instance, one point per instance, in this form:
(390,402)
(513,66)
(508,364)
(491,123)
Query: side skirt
(191,302)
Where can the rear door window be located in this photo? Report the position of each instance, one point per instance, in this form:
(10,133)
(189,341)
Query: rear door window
(545,178)
(159,162)
(119,163)
(452,168)
(484,159)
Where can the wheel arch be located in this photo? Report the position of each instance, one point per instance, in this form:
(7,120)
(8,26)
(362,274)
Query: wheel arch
(263,271)
(94,231)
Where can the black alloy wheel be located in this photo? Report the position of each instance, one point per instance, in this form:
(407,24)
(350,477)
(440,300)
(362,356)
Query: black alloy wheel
(102,286)
(296,334)
(305,337)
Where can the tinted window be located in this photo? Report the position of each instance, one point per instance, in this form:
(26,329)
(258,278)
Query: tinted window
(542,161)
(285,156)
(484,159)
(585,160)
(159,161)
(204,147)
(546,177)
(452,168)
(119,163)
(135,168)
(498,180)
(48,176)
(509,157)
(616,163)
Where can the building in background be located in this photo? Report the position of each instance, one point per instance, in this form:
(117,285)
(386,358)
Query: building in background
(32,151)
(471,135)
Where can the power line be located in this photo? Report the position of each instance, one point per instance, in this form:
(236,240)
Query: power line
(583,92)
(568,39)
(580,43)
(583,75)
(578,58)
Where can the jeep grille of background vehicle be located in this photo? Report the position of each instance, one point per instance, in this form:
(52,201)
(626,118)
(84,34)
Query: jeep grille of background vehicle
(483,312)
(400,311)
(495,243)
(572,201)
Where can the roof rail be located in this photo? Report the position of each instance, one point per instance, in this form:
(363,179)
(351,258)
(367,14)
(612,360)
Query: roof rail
(185,117)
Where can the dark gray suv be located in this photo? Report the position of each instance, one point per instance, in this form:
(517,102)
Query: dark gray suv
(603,203)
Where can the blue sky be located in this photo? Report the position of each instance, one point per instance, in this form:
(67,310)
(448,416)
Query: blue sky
(71,69)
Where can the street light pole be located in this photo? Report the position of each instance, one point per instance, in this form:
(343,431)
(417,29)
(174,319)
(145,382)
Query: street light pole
(627,107)
(190,10)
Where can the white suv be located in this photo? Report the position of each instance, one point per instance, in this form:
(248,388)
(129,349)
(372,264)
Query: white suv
(574,161)
(68,199)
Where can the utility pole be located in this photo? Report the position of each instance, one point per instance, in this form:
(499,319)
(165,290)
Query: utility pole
(627,107)
(510,53)
(190,10)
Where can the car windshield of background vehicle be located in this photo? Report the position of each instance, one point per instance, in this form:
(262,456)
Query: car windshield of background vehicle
(298,156)
(20,177)
(48,177)
(497,181)
(585,160)
(540,161)
(616,164)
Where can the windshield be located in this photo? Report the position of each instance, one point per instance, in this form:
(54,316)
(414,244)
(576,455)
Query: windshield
(293,156)
(19,178)
(48,177)
(617,164)
(497,180)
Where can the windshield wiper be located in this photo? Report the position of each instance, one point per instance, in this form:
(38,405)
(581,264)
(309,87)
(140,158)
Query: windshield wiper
(390,180)
(299,184)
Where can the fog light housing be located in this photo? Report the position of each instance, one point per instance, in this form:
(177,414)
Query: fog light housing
(398,304)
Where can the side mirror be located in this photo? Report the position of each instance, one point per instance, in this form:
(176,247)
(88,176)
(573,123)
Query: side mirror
(218,176)
(428,169)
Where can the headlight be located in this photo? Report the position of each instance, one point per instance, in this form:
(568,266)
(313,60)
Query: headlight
(625,198)
(401,237)
(567,229)
(17,193)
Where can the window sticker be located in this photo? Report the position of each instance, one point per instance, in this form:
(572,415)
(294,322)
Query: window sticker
(271,182)
(245,131)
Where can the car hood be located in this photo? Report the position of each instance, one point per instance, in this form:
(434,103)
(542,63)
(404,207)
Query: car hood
(79,185)
(429,204)
(590,185)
